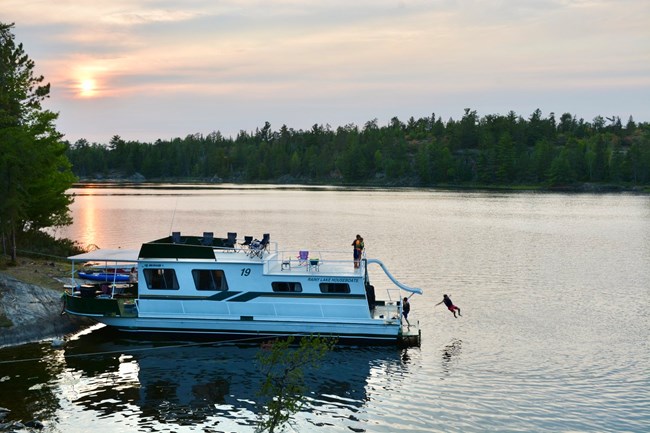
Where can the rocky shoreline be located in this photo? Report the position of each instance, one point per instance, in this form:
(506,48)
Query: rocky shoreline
(31,313)
(34,313)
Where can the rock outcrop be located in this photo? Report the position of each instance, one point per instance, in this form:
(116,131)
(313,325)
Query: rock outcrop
(35,313)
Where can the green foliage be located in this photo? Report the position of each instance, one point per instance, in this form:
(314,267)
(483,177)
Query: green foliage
(34,170)
(283,366)
(35,243)
(495,150)
(560,171)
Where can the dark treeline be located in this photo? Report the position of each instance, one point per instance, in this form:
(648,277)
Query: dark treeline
(506,150)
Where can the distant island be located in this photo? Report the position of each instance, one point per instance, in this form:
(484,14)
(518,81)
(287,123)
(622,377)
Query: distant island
(493,151)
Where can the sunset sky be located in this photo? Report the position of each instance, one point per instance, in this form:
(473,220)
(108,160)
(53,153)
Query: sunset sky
(153,69)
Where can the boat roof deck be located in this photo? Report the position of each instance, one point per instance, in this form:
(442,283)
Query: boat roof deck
(287,263)
(276,262)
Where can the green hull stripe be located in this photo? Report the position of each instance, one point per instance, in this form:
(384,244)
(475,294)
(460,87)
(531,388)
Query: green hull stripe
(247,296)
(216,297)
(223,295)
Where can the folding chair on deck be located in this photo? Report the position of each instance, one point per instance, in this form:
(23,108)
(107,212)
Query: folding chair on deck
(303,258)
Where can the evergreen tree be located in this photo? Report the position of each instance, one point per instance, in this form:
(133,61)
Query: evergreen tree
(505,159)
(560,171)
(34,171)
(543,157)
(596,158)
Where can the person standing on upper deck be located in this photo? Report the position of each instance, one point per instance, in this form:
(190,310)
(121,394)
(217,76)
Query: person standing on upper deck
(358,246)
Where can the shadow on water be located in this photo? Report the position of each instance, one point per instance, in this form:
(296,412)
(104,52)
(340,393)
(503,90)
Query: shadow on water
(451,355)
(190,382)
(25,372)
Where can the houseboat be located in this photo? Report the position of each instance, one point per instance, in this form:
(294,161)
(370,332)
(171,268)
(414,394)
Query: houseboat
(226,287)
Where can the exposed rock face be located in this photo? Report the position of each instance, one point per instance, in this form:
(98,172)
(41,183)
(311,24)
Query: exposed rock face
(34,311)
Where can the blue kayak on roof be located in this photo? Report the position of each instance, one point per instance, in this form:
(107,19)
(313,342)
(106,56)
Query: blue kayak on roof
(104,276)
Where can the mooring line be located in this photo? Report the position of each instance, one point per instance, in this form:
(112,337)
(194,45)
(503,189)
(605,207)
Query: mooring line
(143,349)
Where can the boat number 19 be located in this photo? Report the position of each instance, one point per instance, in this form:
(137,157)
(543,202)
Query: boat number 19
(245,272)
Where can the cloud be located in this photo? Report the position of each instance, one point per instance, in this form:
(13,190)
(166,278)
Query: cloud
(351,58)
(132,18)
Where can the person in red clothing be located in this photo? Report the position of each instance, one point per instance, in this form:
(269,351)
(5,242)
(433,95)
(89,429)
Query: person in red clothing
(450,305)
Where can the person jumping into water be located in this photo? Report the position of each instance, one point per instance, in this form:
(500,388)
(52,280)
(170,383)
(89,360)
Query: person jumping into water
(450,305)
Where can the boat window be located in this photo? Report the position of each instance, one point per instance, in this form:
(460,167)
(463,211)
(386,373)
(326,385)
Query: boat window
(161,279)
(282,286)
(334,288)
(209,279)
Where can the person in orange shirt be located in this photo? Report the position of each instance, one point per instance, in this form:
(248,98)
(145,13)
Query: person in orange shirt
(358,246)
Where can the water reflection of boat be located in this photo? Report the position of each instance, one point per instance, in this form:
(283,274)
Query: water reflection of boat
(199,382)
(216,286)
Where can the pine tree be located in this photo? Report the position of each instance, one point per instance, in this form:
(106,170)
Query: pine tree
(34,171)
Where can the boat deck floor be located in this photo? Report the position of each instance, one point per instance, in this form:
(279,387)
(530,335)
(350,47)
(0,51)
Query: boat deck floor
(324,267)
(281,265)
(389,310)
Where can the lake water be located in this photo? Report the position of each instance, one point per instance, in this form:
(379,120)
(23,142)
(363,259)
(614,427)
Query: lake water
(554,291)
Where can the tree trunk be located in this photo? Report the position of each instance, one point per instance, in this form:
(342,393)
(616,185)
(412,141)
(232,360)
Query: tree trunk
(13,245)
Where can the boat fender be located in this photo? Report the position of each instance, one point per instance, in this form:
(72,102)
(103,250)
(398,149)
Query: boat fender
(57,343)
(62,305)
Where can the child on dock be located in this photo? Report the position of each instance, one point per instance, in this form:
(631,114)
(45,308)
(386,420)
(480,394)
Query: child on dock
(406,309)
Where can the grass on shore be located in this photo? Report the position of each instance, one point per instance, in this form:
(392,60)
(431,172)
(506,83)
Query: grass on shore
(42,258)
(40,272)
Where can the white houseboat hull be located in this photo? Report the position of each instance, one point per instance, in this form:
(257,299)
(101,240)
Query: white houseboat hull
(189,287)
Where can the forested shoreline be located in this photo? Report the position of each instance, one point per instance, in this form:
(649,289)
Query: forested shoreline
(489,151)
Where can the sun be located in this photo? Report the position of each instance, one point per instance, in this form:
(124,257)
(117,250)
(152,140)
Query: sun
(87,87)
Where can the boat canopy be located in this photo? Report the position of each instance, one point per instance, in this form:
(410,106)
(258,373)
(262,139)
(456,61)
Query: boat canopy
(106,256)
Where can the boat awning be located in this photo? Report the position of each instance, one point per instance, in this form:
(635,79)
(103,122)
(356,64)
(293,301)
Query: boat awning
(106,256)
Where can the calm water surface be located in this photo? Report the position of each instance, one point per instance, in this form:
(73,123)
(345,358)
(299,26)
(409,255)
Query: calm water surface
(554,335)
